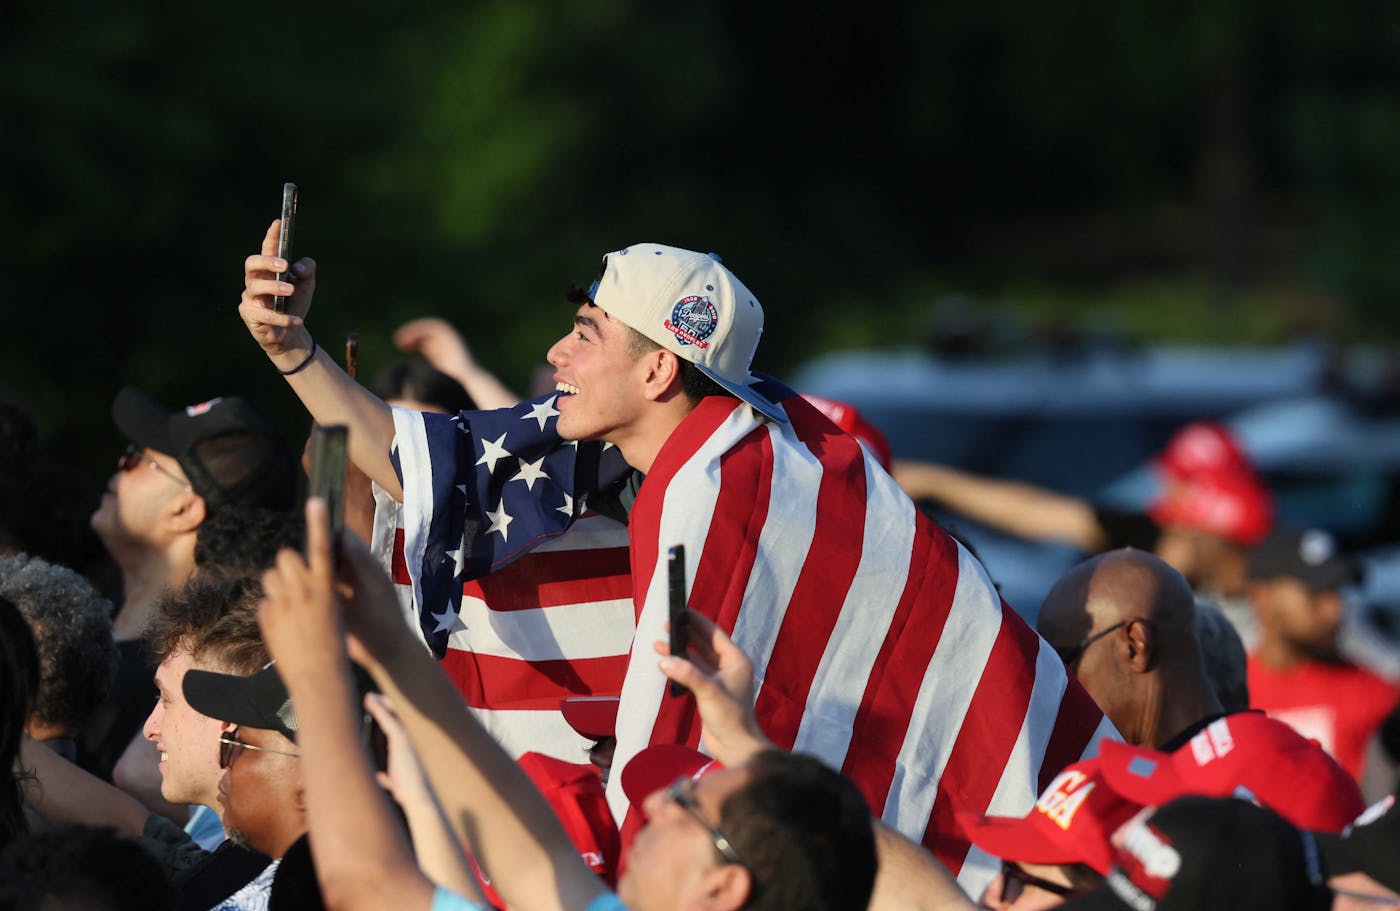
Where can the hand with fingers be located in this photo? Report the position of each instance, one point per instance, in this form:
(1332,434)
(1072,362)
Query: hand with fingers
(404,778)
(720,676)
(283,336)
(300,614)
(441,345)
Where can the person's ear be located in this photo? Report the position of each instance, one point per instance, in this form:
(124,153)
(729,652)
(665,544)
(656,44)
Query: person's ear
(726,888)
(661,374)
(188,512)
(1141,644)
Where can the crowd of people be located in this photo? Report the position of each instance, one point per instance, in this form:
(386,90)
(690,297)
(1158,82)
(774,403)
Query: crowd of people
(468,697)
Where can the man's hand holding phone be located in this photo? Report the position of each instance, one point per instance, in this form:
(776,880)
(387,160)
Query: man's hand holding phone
(282,335)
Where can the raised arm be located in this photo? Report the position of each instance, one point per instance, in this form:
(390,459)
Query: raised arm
(325,389)
(443,347)
(1021,509)
(361,858)
(720,676)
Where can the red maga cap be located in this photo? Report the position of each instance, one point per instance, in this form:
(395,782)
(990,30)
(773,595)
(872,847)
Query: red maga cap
(1071,823)
(1236,507)
(1249,755)
(594,717)
(660,764)
(1203,448)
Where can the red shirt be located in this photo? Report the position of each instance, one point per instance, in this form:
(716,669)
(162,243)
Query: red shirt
(1339,705)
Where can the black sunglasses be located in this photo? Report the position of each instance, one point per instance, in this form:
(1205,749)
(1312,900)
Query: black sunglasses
(1012,874)
(230,745)
(1071,654)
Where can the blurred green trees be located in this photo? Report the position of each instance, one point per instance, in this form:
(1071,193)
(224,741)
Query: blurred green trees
(470,159)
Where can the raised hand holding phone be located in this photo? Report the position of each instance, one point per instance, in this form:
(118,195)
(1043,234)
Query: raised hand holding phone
(680,619)
(328,462)
(284,240)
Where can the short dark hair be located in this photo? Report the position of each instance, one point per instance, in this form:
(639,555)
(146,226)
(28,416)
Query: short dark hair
(215,619)
(804,833)
(89,867)
(244,540)
(427,384)
(694,384)
(72,627)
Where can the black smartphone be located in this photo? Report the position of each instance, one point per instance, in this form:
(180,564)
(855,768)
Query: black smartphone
(284,241)
(328,461)
(680,622)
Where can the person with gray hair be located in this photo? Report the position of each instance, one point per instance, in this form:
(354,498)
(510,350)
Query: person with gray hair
(72,627)
(1222,650)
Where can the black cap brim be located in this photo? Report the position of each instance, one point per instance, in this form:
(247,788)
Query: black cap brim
(143,420)
(254,701)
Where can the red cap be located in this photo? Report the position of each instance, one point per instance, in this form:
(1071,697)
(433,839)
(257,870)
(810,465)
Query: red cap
(594,717)
(657,766)
(1203,448)
(1071,823)
(1236,507)
(575,793)
(846,417)
(1247,754)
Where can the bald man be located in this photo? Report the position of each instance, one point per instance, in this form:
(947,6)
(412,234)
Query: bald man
(1125,624)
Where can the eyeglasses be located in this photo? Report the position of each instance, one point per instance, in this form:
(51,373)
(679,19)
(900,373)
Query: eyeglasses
(1072,654)
(682,794)
(1014,880)
(135,455)
(229,748)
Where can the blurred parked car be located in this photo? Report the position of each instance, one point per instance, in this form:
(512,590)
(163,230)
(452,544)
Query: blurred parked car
(1088,426)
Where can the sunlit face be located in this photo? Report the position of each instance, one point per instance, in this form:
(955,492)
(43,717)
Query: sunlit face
(136,498)
(262,792)
(670,856)
(597,377)
(1016,894)
(188,741)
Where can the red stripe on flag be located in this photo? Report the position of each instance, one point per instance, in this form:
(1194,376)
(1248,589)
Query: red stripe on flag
(825,579)
(1079,717)
(725,562)
(491,682)
(555,578)
(644,522)
(398,567)
(882,721)
(989,731)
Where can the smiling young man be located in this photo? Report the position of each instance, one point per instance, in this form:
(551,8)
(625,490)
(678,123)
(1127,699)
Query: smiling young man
(795,539)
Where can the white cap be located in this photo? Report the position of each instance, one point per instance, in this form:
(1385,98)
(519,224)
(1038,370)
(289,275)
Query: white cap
(691,305)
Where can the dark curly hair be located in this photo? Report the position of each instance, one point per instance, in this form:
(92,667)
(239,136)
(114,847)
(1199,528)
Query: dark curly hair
(83,867)
(244,540)
(72,627)
(19,681)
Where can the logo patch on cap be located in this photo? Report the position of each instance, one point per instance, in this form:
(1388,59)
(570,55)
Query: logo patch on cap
(693,320)
(195,411)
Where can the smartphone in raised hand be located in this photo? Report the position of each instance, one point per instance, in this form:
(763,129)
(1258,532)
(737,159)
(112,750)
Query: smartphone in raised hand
(329,454)
(284,239)
(680,621)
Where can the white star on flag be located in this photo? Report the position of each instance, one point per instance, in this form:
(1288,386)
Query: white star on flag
(457,562)
(568,507)
(491,453)
(449,621)
(530,472)
(500,521)
(542,411)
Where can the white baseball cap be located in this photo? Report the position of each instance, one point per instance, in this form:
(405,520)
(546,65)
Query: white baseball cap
(691,305)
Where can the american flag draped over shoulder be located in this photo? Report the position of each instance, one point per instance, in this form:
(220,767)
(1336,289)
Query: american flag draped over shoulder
(879,643)
(524,596)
